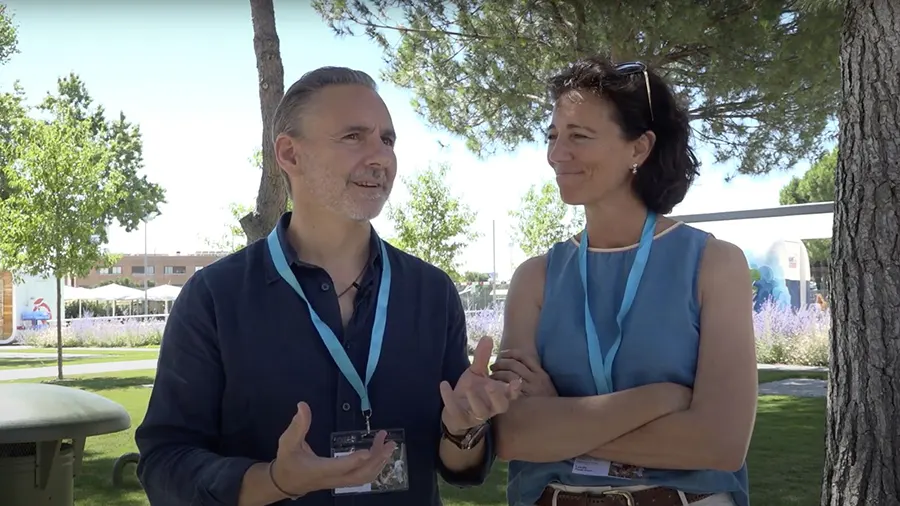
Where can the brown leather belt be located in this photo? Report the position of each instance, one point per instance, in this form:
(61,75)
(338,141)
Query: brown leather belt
(649,497)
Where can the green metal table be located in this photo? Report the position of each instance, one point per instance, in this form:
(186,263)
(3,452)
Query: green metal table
(43,429)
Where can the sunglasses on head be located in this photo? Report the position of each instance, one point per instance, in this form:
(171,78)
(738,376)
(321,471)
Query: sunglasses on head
(636,67)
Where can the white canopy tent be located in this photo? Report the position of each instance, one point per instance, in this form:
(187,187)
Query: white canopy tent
(113,293)
(161,293)
(166,293)
(77,293)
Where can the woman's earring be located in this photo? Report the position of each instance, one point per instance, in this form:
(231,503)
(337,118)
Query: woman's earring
(634,168)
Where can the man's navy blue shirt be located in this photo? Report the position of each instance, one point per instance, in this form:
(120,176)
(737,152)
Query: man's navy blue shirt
(240,351)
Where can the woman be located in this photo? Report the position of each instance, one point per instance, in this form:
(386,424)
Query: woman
(644,391)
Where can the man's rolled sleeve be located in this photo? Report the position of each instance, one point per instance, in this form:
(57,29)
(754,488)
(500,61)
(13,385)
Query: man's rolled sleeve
(456,361)
(178,437)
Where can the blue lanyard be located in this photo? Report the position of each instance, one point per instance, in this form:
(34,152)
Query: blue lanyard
(331,341)
(601,368)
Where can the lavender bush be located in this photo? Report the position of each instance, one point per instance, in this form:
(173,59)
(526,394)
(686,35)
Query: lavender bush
(105,333)
(485,322)
(785,336)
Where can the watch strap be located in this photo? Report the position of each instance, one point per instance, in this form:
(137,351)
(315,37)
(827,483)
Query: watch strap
(467,440)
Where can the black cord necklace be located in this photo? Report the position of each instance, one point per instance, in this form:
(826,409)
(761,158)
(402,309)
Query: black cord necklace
(354,284)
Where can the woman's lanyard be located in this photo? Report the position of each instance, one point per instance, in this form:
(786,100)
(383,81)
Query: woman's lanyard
(331,341)
(601,367)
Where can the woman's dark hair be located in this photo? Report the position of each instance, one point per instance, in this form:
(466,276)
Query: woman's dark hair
(664,178)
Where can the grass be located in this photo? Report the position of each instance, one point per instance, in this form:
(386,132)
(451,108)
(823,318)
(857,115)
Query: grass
(785,460)
(99,356)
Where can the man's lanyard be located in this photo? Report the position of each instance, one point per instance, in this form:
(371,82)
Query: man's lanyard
(328,338)
(601,368)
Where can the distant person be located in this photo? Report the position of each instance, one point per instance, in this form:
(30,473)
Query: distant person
(263,391)
(634,339)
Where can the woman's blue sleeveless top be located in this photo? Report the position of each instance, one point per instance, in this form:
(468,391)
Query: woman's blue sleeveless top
(660,342)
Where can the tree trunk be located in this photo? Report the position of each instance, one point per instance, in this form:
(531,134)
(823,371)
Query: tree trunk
(271,198)
(862,464)
(60,314)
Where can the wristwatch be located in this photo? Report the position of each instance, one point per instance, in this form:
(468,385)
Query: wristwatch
(470,439)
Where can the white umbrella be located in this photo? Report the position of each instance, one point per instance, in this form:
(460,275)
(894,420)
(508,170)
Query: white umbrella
(115,292)
(78,293)
(163,292)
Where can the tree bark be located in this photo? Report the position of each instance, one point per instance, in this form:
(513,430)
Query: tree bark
(271,199)
(862,464)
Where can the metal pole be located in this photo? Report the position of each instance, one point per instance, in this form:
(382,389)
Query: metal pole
(146,302)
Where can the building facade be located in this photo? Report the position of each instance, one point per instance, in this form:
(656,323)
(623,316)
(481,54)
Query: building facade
(160,270)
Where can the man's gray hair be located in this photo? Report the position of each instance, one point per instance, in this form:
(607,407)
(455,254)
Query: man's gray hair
(286,119)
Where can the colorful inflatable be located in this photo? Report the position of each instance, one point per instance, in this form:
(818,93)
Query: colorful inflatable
(783,275)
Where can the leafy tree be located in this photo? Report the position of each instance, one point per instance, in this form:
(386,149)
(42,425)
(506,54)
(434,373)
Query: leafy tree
(816,185)
(64,179)
(73,105)
(862,453)
(8,39)
(544,219)
(476,277)
(761,79)
(234,238)
(434,225)
(272,195)
(62,194)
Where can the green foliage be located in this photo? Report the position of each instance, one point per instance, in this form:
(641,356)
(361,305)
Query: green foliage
(8,39)
(543,219)
(137,198)
(476,277)
(61,191)
(760,79)
(816,185)
(434,225)
(234,238)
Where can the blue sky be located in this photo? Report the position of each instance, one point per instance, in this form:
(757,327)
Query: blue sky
(186,73)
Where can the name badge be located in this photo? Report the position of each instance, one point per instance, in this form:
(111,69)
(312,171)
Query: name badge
(394,476)
(590,466)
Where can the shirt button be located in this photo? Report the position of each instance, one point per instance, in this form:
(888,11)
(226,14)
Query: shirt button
(325,287)
(346,406)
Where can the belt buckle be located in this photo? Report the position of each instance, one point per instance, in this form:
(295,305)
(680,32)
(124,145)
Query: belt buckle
(623,494)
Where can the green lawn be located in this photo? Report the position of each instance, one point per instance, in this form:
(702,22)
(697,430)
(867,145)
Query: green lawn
(785,460)
(100,355)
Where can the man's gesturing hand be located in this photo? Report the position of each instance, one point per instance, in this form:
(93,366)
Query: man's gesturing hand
(298,471)
(476,397)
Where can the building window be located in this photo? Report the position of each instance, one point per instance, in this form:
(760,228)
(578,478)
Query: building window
(139,269)
(176,269)
(116,269)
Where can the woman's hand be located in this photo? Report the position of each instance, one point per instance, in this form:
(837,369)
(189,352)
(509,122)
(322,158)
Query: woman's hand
(512,365)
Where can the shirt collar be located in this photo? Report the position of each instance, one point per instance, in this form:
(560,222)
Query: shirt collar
(294,259)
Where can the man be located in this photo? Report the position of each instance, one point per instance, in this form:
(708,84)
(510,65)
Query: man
(322,318)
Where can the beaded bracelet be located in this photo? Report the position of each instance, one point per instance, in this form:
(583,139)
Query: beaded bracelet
(275,484)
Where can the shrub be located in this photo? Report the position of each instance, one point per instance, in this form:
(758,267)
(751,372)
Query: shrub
(786,336)
(112,333)
(484,322)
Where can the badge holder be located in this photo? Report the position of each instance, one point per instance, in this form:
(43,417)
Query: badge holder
(394,476)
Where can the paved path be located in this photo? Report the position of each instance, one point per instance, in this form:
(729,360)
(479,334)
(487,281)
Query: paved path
(76,369)
(797,387)
(800,387)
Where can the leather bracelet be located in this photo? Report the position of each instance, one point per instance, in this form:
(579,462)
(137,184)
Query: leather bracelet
(277,487)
